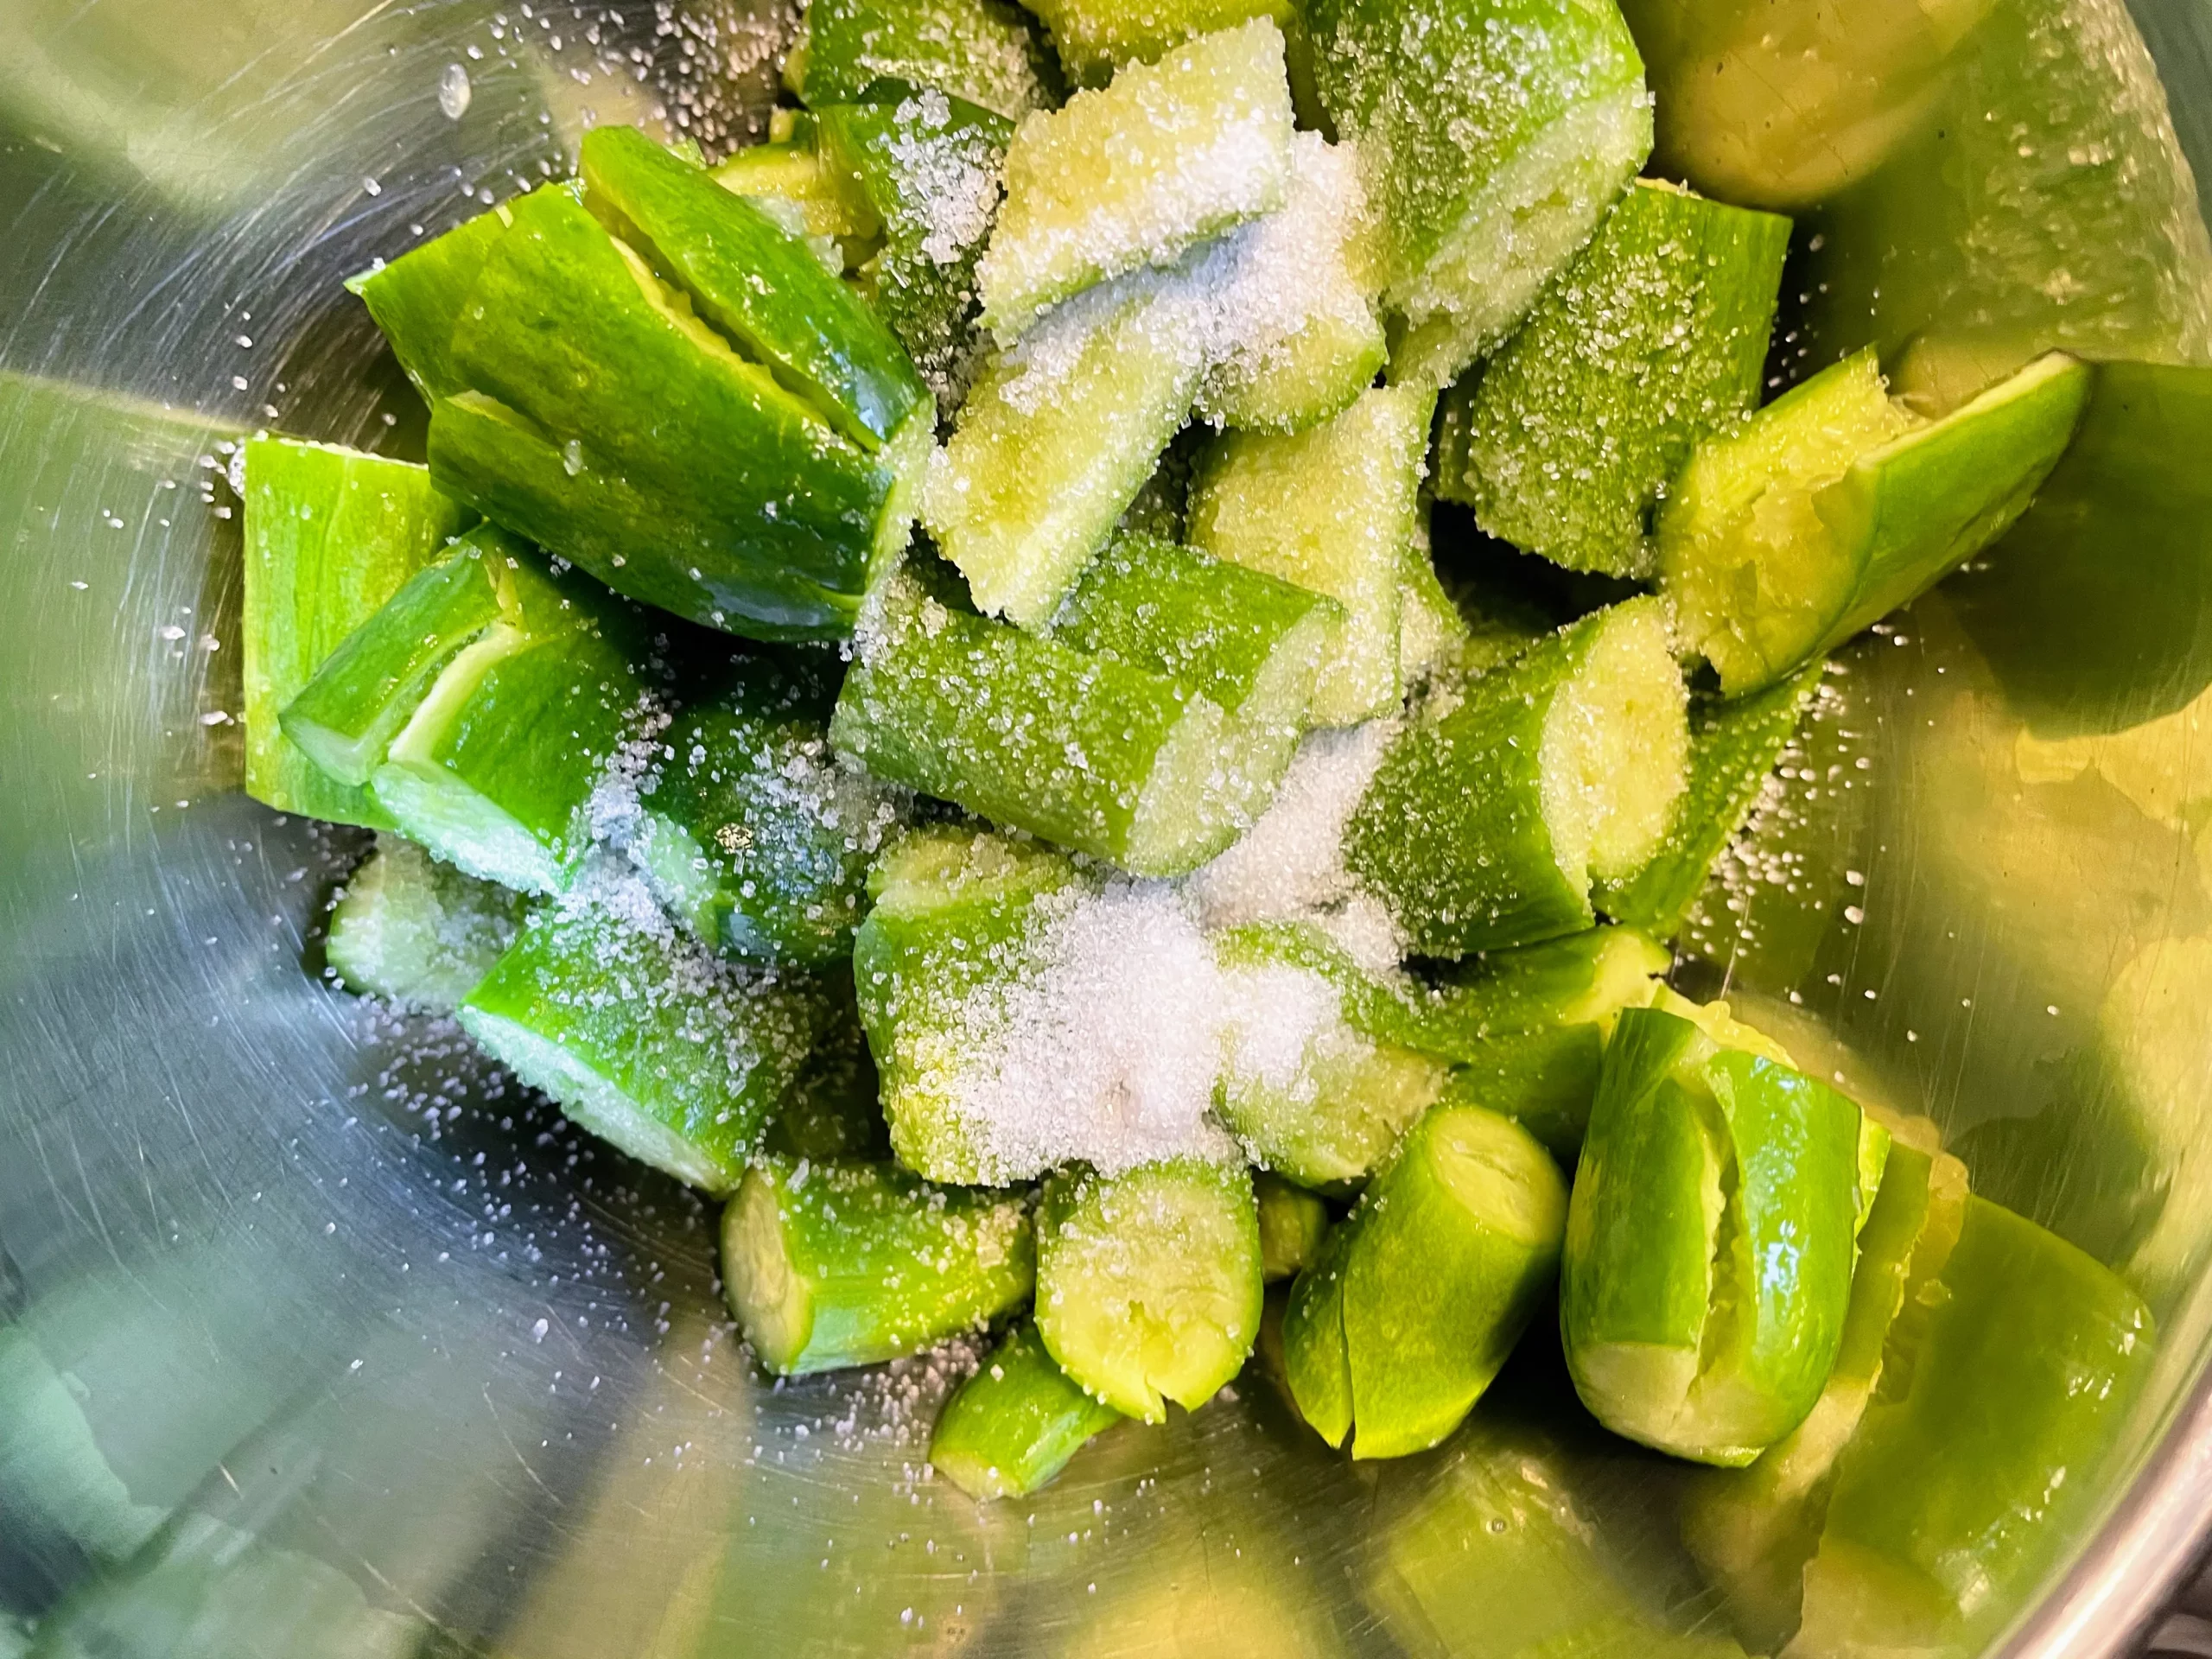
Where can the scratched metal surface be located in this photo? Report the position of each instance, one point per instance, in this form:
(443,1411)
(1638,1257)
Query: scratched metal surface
(318,1339)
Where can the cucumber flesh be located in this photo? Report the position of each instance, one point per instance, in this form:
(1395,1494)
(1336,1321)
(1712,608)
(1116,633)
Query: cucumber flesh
(1138,173)
(986,52)
(1010,1429)
(1433,636)
(1333,509)
(417,932)
(1293,1222)
(1095,37)
(780,178)
(1148,1282)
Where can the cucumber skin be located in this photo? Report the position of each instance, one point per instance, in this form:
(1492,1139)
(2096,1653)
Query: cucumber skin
(1655,336)
(984,51)
(708,1057)
(1010,1429)
(1451,834)
(1734,748)
(755,283)
(415,298)
(331,535)
(892,1264)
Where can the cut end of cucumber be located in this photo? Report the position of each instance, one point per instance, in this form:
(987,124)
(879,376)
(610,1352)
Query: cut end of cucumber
(1526,224)
(1753,571)
(464,830)
(1189,809)
(1499,1173)
(1624,976)
(596,1104)
(772,1299)
(1616,748)
(1637,1390)
(350,759)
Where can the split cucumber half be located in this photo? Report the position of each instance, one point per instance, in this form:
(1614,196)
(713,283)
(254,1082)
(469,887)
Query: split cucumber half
(836,1264)
(1493,135)
(1710,1241)
(1835,505)
(1417,1297)
(331,534)
(481,706)
(1150,1281)
(645,1038)
(1494,811)
(1653,339)
(417,932)
(1011,1428)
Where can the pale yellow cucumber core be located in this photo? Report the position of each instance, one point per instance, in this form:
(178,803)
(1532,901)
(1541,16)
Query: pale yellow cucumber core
(772,1302)
(1499,1175)
(1616,748)
(1184,816)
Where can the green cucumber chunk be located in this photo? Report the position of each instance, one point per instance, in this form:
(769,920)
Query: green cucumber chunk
(1709,1246)
(750,830)
(1835,505)
(1293,1222)
(1138,173)
(1434,636)
(1313,341)
(1493,135)
(833,1108)
(1525,1030)
(1437,1273)
(1734,748)
(1333,509)
(415,298)
(1752,1530)
(1492,813)
(928,166)
(1010,1429)
(1148,1281)
(956,919)
(791,178)
(1102,756)
(1652,340)
(986,52)
(643,1037)
(757,285)
(836,1264)
(331,535)
(1317,1081)
(1095,37)
(1976,1464)
(1054,442)
(417,932)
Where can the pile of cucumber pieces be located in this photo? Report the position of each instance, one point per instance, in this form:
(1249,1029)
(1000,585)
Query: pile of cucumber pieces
(1112,874)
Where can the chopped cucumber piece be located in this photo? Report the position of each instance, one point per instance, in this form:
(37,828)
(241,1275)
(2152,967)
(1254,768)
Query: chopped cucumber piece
(415,298)
(1709,1263)
(829,204)
(957,915)
(1249,643)
(1652,340)
(1318,1081)
(1753,1529)
(750,830)
(1493,814)
(1835,505)
(1293,1222)
(928,166)
(331,534)
(1054,442)
(1333,509)
(1986,1447)
(482,705)
(832,1108)
(1423,1293)
(1315,341)
(838,1264)
(416,931)
(985,51)
(642,1037)
(1138,173)
(1149,1283)
(756,286)
(1526,1030)
(1010,1429)
(1099,755)
(1095,37)
(1734,748)
(1493,135)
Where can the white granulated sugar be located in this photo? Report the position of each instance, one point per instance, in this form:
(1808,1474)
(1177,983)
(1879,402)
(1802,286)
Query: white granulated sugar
(1290,865)
(612,812)
(1275,1017)
(949,182)
(1106,1051)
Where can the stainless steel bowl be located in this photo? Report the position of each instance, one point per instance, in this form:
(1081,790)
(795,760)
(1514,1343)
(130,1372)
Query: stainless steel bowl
(320,1340)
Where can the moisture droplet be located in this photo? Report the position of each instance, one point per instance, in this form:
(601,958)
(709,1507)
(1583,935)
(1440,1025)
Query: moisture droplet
(454,92)
(572,456)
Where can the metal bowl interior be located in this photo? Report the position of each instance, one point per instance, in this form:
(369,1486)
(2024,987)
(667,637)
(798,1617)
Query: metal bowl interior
(321,1339)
